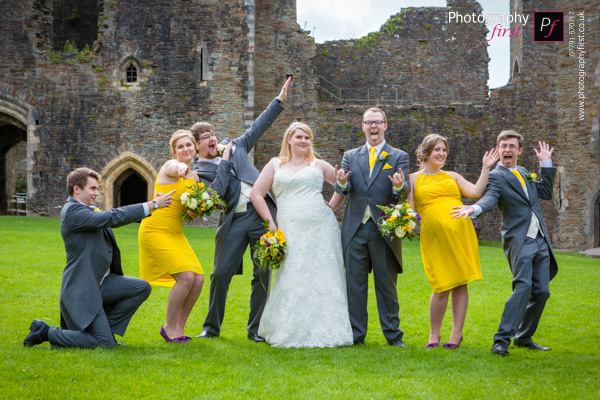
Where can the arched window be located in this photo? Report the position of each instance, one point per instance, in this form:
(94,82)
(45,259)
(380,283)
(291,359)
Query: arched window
(516,68)
(131,74)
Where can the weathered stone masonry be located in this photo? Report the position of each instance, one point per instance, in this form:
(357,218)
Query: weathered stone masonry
(224,61)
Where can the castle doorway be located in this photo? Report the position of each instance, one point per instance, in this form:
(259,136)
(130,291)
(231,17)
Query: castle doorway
(129,188)
(13,166)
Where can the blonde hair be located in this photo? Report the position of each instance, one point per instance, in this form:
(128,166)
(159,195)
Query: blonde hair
(426,147)
(509,135)
(376,109)
(181,133)
(285,154)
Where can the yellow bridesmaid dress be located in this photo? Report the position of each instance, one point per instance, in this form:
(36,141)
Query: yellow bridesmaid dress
(164,250)
(449,246)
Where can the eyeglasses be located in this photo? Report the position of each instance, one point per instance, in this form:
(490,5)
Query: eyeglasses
(508,146)
(378,123)
(212,134)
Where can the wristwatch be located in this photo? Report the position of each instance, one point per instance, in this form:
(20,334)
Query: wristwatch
(155,204)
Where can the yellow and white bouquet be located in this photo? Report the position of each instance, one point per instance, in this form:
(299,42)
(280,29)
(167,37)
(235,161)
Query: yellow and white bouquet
(269,251)
(202,199)
(398,220)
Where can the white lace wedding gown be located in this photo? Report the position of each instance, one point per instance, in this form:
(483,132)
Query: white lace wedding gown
(308,305)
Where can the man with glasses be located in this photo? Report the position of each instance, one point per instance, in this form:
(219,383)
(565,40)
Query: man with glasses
(232,175)
(371,175)
(525,238)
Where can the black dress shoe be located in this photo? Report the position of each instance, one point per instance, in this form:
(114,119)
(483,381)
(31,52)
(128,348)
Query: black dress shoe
(500,348)
(530,344)
(207,335)
(254,337)
(397,342)
(36,333)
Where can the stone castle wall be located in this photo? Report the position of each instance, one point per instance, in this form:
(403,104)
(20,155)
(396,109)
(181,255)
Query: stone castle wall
(225,61)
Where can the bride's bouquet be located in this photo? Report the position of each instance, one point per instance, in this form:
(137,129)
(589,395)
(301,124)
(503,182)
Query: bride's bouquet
(201,199)
(398,220)
(269,251)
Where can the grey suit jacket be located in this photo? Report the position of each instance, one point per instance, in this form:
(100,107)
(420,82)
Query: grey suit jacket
(362,190)
(91,250)
(505,190)
(226,177)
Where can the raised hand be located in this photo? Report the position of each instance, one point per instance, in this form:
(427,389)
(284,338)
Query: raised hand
(227,151)
(283,94)
(398,178)
(164,200)
(461,211)
(341,176)
(545,152)
(490,158)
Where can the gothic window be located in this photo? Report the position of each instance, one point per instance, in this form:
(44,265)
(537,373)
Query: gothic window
(516,68)
(131,74)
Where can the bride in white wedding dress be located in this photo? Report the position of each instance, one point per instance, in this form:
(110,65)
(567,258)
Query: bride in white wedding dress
(308,305)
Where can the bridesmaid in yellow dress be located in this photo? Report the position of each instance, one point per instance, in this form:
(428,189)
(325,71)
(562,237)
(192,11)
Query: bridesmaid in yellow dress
(166,257)
(449,250)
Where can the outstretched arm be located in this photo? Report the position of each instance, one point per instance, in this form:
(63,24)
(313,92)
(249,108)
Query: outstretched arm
(486,203)
(264,120)
(259,191)
(490,158)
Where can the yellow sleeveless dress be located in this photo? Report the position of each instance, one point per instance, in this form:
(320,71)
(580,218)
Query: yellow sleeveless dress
(164,250)
(449,246)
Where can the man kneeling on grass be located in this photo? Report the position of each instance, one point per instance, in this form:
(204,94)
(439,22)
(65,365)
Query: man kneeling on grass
(96,300)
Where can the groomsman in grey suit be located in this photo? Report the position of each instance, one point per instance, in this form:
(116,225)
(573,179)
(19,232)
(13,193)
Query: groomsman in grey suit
(524,236)
(371,175)
(232,175)
(96,299)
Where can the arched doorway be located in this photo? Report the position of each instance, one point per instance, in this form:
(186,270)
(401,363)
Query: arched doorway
(129,188)
(13,164)
(130,173)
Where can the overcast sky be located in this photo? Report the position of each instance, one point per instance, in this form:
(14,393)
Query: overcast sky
(351,19)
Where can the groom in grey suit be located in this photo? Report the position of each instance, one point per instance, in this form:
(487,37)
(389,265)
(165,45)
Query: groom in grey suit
(232,175)
(96,300)
(525,238)
(371,175)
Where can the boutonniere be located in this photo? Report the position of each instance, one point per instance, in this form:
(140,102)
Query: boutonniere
(97,209)
(220,149)
(531,177)
(383,156)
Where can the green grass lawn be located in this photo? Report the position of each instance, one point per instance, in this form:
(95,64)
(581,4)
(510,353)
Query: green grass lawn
(32,259)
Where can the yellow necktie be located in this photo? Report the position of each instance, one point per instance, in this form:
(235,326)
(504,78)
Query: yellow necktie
(372,157)
(519,177)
